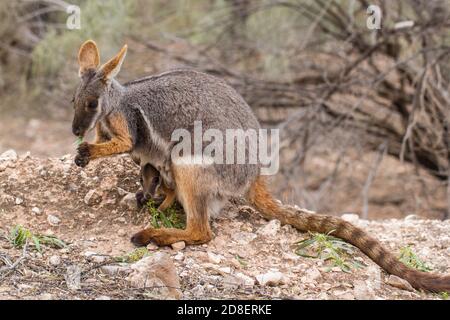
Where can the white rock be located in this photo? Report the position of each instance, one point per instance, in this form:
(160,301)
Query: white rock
(8,155)
(214,258)
(350,217)
(19,201)
(225,270)
(95,257)
(103,298)
(311,275)
(91,197)
(151,246)
(36,210)
(243,237)
(270,229)
(399,283)
(246,280)
(362,291)
(179,256)
(129,201)
(53,220)
(54,260)
(157,273)
(121,191)
(115,270)
(272,278)
(177,246)
(411,217)
(73,277)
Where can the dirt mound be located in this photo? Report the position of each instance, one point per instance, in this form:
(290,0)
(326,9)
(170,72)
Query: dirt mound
(93,211)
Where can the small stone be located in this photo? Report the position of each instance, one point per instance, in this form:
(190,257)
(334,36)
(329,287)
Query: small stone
(362,291)
(129,201)
(411,217)
(95,257)
(103,298)
(121,232)
(115,270)
(243,238)
(311,275)
(36,210)
(346,295)
(336,269)
(54,260)
(246,280)
(8,155)
(270,229)
(73,277)
(151,246)
(350,217)
(19,201)
(91,197)
(177,246)
(121,191)
(214,258)
(399,283)
(224,270)
(271,278)
(53,220)
(179,256)
(45,296)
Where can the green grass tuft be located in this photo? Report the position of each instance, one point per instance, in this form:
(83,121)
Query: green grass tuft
(133,256)
(19,236)
(443,295)
(169,218)
(408,257)
(330,249)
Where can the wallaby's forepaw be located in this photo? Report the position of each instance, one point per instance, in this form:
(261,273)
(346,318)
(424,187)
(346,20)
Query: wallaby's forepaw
(83,156)
(140,199)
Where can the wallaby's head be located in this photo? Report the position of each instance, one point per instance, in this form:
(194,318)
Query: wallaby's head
(90,100)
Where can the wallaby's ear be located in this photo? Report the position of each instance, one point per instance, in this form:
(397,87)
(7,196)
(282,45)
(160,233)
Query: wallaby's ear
(111,68)
(88,56)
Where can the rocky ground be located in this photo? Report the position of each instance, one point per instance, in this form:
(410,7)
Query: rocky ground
(93,211)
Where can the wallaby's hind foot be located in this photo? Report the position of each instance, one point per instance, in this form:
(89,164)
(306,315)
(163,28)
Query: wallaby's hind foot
(167,236)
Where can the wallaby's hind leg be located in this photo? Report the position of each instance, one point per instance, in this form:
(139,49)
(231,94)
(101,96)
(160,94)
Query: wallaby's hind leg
(195,204)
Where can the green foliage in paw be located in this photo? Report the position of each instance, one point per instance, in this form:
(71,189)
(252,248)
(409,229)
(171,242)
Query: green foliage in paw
(78,141)
(443,295)
(408,257)
(334,251)
(133,256)
(169,218)
(19,236)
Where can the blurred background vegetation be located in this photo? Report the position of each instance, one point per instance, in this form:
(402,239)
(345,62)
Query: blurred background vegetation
(363,113)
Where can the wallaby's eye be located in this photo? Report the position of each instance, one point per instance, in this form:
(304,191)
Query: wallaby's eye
(92,104)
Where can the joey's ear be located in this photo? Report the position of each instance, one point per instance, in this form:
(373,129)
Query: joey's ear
(88,56)
(111,68)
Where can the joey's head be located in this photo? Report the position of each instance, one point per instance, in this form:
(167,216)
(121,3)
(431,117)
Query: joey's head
(90,101)
(150,179)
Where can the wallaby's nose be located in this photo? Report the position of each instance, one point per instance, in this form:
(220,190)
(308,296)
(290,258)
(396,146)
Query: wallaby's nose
(76,131)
